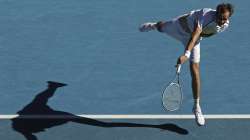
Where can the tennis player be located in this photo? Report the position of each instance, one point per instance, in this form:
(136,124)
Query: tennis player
(189,29)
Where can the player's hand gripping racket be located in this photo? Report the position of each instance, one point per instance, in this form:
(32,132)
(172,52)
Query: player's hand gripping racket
(172,94)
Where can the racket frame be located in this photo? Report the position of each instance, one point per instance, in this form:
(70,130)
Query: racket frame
(176,80)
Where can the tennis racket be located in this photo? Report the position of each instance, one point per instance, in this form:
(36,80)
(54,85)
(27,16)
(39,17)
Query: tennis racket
(172,94)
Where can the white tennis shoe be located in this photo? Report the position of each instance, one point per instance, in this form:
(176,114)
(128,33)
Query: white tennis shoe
(147,27)
(199,116)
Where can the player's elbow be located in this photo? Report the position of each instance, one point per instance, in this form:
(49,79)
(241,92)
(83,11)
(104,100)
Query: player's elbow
(196,34)
(197,30)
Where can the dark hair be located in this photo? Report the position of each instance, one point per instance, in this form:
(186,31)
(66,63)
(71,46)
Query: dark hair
(225,6)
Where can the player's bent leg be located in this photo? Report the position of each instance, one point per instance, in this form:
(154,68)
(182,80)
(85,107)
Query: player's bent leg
(160,25)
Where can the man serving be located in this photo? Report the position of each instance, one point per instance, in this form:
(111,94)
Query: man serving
(189,29)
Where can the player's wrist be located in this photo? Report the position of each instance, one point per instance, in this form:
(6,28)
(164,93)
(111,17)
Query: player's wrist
(187,54)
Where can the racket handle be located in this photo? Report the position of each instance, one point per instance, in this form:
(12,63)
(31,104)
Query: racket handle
(178,69)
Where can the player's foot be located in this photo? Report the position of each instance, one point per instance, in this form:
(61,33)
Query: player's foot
(147,27)
(199,116)
(56,84)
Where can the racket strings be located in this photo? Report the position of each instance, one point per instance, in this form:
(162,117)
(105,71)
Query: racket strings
(172,97)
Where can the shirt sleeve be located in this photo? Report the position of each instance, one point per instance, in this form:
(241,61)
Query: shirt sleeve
(200,18)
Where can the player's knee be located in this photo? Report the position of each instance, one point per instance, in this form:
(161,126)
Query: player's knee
(159,26)
(195,69)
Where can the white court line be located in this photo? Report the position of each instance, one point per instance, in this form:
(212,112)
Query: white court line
(145,116)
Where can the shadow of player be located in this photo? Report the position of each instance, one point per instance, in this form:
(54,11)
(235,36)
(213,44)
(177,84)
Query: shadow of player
(39,109)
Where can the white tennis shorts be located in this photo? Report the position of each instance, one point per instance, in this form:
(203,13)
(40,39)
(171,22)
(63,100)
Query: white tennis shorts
(174,29)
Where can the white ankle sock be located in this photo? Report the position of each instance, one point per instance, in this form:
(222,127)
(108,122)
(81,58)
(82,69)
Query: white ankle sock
(197,102)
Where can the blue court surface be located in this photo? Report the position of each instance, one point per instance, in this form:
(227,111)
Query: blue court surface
(110,68)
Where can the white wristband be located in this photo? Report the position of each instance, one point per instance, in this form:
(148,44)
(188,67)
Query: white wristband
(187,53)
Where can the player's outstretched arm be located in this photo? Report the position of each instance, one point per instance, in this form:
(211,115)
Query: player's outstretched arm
(194,38)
